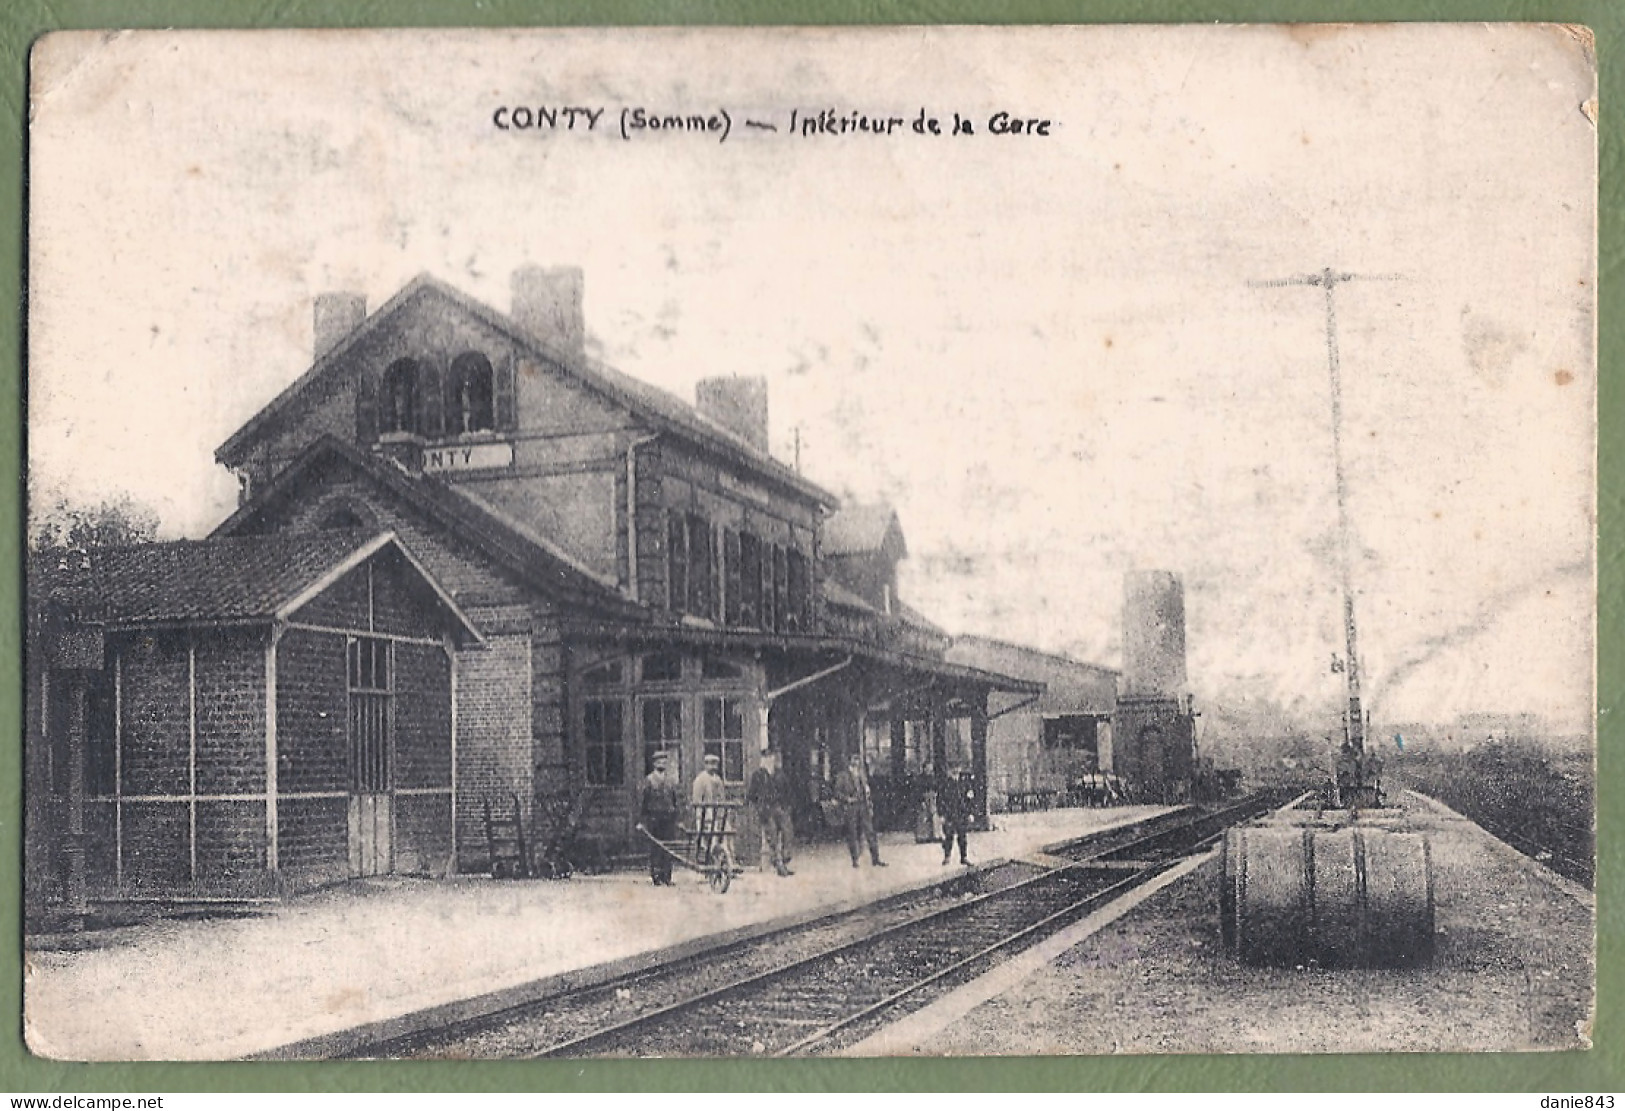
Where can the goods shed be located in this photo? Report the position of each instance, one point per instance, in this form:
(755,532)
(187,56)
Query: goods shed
(235,717)
(1050,748)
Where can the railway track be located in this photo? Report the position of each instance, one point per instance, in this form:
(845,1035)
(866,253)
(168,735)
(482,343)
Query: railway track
(812,989)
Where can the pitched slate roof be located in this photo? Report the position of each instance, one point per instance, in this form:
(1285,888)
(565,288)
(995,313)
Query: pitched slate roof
(908,615)
(664,410)
(837,595)
(991,652)
(891,655)
(1071,685)
(220,581)
(858,529)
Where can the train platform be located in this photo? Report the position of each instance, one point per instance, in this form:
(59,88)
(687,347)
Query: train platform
(257,981)
(1514,971)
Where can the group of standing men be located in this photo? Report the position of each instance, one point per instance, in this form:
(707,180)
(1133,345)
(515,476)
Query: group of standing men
(770,796)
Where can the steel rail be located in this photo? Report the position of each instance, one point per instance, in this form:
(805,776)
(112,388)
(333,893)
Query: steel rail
(721,992)
(1104,841)
(824,956)
(406,1044)
(1089,901)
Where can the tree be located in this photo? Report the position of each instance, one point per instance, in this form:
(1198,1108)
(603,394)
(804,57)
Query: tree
(61,525)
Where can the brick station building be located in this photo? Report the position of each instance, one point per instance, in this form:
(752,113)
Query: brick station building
(612,573)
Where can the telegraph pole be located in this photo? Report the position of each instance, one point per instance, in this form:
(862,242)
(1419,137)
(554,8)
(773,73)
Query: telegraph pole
(1364,785)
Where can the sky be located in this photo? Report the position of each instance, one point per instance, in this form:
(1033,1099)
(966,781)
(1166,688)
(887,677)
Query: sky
(1049,351)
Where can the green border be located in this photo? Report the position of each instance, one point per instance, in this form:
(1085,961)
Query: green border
(1601,1070)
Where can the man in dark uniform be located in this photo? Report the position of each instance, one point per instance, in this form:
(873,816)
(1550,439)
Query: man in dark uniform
(768,796)
(658,806)
(956,802)
(858,809)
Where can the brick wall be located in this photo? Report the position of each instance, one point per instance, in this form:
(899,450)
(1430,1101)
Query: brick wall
(343,605)
(230,712)
(312,707)
(312,702)
(157,850)
(328,408)
(342,403)
(230,843)
(401,603)
(422,716)
(548,708)
(38,828)
(313,839)
(422,833)
(575,510)
(156,710)
(493,738)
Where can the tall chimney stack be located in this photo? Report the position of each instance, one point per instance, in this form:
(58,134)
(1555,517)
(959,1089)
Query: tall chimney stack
(547,304)
(335,316)
(737,404)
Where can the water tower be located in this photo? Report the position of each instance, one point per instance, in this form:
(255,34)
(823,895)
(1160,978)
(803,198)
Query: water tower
(1153,734)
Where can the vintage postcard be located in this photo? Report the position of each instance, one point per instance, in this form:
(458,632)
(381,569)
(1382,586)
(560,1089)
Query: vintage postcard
(800,542)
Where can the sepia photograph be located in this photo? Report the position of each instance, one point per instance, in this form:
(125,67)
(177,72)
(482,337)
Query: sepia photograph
(874,542)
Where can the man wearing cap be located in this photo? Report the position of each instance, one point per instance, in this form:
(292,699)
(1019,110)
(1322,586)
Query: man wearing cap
(708,789)
(657,805)
(956,802)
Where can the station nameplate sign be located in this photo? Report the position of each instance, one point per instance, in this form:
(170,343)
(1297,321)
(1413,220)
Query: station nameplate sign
(467,457)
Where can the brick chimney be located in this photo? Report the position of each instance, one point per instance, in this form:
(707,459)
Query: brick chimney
(547,304)
(336,315)
(737,404)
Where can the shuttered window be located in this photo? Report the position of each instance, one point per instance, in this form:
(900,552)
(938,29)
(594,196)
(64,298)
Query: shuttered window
(730,577)
(750,580)
(676,562)
(700,569)
(781,590)
(799,618)
(770,610)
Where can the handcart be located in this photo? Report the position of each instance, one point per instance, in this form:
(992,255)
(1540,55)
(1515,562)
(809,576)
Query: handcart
(705,845)
(506,842)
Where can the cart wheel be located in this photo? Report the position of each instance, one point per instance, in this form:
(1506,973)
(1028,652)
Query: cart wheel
(722,872)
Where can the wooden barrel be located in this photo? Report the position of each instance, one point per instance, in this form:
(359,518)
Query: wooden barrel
(1398,883)
(1269,894)
(1334,898)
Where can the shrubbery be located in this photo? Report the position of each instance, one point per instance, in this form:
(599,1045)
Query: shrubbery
(1537,798)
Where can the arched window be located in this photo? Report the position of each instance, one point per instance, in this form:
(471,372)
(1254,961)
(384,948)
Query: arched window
(398,402)
(471,397)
